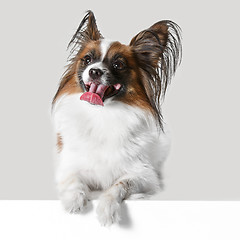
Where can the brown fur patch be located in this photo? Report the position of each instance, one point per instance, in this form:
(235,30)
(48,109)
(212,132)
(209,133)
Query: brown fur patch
(59,142)
(92,45)
(136,96)
(70,82)
(136,91)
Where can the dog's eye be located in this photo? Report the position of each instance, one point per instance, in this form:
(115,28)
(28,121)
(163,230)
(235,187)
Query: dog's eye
(87,59)
(119,65)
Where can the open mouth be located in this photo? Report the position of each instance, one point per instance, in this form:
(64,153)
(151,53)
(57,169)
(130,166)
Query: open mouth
(96,93)
(103,91)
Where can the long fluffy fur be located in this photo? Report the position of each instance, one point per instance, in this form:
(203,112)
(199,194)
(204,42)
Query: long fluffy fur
(84,34)
(166,52)
(118,148)
(158,76)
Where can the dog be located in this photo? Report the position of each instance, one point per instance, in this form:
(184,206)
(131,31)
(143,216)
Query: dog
(107,116)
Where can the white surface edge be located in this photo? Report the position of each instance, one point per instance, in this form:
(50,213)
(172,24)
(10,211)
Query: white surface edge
(141,220)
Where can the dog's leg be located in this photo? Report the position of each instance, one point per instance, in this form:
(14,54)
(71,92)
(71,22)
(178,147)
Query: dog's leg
(73,194)
(109,207)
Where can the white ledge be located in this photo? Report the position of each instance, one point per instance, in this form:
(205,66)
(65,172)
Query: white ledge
(141,220)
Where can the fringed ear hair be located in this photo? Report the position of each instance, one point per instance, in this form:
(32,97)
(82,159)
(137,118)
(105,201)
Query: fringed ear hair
(86,31)
(158,51)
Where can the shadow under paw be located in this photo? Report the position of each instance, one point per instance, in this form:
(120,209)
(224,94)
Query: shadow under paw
(125,221)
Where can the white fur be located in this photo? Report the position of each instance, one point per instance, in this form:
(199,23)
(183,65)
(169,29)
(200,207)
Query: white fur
(116,148)
(85,74)
(104,46)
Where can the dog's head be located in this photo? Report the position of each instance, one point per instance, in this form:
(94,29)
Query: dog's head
(137,74)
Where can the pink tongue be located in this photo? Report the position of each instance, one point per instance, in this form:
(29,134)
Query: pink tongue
(95,94)
(92,98)
(101,90)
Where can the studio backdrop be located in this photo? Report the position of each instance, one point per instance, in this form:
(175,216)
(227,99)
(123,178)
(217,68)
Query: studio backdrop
(201,106)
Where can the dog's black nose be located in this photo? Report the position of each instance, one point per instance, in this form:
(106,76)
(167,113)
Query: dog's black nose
(95,73)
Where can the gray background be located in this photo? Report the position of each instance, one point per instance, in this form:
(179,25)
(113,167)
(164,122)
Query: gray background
(202,104)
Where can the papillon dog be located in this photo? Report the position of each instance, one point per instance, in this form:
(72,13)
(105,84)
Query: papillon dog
(107,116)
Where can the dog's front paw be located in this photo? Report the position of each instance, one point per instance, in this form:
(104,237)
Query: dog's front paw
(74,202)
(108,210)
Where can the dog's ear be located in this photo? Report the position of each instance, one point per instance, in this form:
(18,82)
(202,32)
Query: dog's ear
(158,47)
(161,40)
(158,53)
(149,44)
(86,31)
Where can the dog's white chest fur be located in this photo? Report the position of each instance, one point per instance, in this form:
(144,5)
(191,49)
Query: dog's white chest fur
(102,144)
